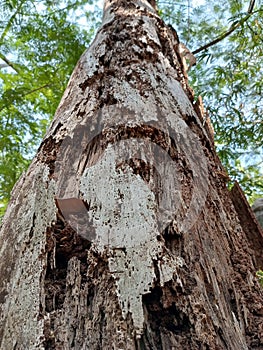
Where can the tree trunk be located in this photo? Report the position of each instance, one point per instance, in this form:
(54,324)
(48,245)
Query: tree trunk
(123,234)
(258,210)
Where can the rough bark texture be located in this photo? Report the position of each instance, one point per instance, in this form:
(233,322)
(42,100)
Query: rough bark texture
(123,234)
(250,223)
(258,210)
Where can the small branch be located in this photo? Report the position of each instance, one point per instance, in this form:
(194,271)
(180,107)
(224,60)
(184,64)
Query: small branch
(10,22)
(9,63)
(27,93)
(251,6)
(218,39)
(66,8)
(36,89)
(233,27)
(5,31)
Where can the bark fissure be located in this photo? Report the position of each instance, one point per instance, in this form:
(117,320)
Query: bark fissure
(63,244)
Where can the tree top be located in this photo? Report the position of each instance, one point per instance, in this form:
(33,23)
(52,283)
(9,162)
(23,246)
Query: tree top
(130,3)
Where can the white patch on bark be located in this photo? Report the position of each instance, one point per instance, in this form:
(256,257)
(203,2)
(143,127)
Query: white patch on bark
(123,210)
(23,325)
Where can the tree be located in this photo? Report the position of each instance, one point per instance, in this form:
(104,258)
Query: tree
(122,234)
(42,41)
(40,46)
(226,39)
(258,210)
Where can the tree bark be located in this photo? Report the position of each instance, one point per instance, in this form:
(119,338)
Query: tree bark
(258,210)
(123,234)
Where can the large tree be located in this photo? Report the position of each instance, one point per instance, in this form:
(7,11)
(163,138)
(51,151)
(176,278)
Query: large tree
(42,41)
(122,234)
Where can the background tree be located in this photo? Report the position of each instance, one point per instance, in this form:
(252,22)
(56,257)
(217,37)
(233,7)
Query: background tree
(122,233)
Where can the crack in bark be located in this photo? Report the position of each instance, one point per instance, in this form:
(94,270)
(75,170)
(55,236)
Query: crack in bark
(63,243)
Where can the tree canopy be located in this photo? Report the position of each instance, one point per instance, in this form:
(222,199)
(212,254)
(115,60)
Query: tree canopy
(41,41)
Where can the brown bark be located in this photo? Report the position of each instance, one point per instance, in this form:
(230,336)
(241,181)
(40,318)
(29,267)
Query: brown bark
(258,210)
(123,234)
(249,224)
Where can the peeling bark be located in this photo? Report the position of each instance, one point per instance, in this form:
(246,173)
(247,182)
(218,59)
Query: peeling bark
(123,234)
(249,224)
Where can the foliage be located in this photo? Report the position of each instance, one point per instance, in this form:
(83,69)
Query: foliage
(40,43)
(229,76)
(39,47)
(260,277)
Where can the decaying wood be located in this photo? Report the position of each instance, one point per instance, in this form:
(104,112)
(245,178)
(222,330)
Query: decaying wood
(249,224)
(123,234)
(257,208)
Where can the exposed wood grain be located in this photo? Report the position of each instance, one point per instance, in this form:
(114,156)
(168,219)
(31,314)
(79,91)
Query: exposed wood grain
(249,224)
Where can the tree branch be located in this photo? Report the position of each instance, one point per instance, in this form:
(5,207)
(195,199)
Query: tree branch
(10,22)
(251,6)
(9,63)
(233,27)
(66,8)
(36,89)
(5,31)
(26,94)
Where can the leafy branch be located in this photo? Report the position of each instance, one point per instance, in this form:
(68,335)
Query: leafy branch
(232,28)
(36,89)
(26,94)
(63,9)
(11,20)
(5,32)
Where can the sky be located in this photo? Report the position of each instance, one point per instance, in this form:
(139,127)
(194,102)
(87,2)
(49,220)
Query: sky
(193,3)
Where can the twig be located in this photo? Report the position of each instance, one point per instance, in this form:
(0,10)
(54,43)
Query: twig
(27,93)
(9,63)
(233,27)
(10,22)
